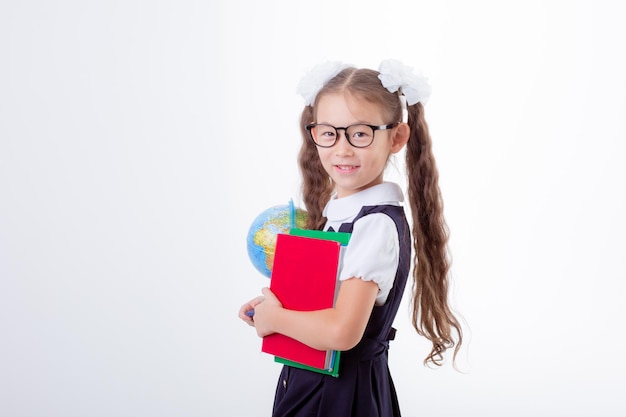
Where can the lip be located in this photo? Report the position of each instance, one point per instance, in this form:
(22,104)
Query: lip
(346,169)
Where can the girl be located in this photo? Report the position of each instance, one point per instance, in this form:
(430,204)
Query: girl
(353,121)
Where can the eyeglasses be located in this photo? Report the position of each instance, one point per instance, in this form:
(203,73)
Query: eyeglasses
(359,136)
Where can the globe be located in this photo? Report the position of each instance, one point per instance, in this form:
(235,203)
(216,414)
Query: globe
(261,238)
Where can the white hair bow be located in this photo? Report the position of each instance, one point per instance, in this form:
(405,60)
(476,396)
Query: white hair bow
(313,82)
(395,76)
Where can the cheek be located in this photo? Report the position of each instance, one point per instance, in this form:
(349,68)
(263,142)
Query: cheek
(323,154)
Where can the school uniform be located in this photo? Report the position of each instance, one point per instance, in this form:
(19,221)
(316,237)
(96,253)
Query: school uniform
(379,250)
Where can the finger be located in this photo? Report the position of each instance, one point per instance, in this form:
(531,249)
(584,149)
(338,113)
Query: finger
(243,309)
(256,301)
(248,320)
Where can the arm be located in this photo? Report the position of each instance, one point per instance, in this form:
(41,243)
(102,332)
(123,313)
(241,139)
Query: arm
(341,327)
(338,328)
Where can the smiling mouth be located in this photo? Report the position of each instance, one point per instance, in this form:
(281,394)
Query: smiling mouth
(346,168)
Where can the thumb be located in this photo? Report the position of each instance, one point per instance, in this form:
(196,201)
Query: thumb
(270,296)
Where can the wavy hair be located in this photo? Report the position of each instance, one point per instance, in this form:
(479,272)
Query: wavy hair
(432,316)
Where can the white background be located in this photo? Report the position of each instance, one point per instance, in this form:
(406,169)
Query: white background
(139,139)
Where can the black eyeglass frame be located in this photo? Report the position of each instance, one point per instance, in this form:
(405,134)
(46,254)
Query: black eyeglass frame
(374,128)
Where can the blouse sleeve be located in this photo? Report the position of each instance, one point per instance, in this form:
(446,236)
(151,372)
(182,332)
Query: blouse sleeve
(373,253)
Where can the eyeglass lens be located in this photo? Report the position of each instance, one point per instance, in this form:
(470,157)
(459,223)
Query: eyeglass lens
(358,135)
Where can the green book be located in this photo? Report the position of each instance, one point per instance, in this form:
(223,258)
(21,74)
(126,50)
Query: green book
(332,371)
(343,238)
(340,237)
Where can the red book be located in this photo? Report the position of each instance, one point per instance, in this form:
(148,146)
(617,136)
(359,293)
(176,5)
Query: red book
(304,278)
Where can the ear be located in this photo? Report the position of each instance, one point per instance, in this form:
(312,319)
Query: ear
(400,137)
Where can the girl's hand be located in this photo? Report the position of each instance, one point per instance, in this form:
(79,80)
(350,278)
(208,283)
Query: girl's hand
(265,312)
(249,308)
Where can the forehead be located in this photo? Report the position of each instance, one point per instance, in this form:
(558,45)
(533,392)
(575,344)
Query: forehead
(343,108)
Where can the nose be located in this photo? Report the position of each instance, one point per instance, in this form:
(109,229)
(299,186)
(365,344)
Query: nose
(342,146)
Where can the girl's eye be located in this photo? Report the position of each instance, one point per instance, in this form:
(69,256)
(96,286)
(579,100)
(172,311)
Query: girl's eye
(360,132)
(325,132)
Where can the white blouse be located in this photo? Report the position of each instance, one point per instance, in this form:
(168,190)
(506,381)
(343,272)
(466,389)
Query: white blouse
(373,251)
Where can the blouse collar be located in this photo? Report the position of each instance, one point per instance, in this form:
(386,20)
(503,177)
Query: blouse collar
(346,208)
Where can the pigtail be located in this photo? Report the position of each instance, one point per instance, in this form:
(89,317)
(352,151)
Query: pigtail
(316,185)
(431,314)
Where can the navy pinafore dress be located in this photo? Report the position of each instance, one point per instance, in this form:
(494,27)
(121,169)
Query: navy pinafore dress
(364,387)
